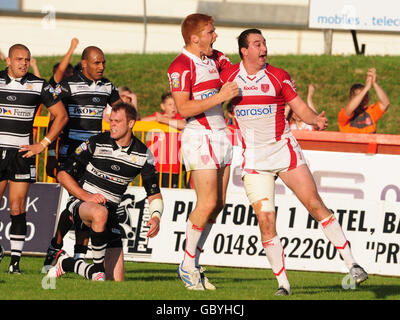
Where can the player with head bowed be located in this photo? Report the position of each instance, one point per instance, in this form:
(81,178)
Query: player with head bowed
(271,150)
(206,149)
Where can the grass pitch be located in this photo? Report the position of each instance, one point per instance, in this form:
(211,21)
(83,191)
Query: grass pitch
(152,281)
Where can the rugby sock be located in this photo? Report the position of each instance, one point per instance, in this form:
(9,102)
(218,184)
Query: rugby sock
(80,267)
(333,231)
(17,236)
(193,234)
(275,255)
(202,240)
(99,244)
(80,249)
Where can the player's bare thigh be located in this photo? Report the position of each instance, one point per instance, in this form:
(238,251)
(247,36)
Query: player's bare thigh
(17,196)
(210,186)
(301,182)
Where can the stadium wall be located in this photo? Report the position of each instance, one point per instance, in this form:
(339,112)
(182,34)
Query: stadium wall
(46,27)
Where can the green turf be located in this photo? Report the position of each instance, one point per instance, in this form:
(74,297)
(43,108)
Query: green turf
(152,281)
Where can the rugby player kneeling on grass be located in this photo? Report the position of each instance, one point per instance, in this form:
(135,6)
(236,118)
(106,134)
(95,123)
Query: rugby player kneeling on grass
(96,176)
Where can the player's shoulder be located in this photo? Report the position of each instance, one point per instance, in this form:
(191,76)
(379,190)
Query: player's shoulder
(180,62)
(106,81)
(32,78)
(101,138)
(72,79)
(217,55)
(139,146)
(228,74)
(278,72)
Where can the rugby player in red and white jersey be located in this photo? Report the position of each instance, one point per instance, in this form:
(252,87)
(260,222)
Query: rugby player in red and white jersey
(271,150)
(206,149)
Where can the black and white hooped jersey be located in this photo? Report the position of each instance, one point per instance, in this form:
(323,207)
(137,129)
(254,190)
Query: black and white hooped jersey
(19,101)
(99,165)
(85,101)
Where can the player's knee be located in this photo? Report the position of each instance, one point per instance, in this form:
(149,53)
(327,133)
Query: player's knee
(100,217)
(263,207)
(208,207)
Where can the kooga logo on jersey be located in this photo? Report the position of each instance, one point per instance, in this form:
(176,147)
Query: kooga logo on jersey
(258,111)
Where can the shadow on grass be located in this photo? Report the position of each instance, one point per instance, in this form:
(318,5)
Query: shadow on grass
(383,291)
(171,274)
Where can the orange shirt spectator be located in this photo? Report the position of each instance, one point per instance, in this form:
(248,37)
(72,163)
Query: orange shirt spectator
(364,122)
(358,116)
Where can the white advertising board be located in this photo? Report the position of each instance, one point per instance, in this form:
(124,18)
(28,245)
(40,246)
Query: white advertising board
(372,15)
(361,190)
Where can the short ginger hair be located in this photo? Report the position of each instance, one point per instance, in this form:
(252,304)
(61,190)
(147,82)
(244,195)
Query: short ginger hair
(194,24)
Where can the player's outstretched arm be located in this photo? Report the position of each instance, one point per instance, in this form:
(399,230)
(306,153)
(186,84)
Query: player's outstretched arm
(306,114)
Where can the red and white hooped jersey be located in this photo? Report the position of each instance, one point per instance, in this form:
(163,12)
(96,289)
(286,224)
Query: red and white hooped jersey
(201,78)
(260,107)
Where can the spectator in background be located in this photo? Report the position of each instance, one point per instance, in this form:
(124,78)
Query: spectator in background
(166,145)
(128,97)
(359,117)
(35,69)
(295,123)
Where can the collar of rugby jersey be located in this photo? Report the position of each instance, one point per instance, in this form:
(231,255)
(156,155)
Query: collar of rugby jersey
(194,57)
(252,77)
(116,146)
(88,81)
(4,74)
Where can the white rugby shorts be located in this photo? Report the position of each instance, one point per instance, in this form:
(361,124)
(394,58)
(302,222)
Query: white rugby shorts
(272,158)
(205,149)
(261,166)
